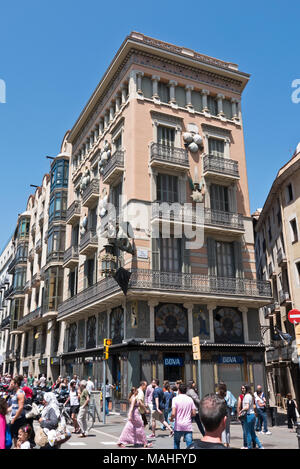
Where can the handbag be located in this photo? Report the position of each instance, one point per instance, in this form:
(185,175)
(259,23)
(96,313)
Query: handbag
(40,438)
(8,438)
(243,415)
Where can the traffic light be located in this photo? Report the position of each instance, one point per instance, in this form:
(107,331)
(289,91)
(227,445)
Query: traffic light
(107,343)
(196,348)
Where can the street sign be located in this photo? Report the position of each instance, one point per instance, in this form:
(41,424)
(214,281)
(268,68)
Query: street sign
(294,316)
(196,348)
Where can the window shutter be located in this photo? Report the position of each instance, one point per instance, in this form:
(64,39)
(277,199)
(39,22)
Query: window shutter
(155,254)
(238,259)
(212,258)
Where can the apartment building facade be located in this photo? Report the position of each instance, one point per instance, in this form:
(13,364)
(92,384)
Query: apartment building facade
(6,258)
(277,251)
(37,275)
(164,126)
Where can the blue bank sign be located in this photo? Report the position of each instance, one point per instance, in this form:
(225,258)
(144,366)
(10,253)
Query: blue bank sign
(173,361)
(230,359)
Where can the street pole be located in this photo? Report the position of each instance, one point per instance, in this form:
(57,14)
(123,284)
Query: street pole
(199,379)
(104,391)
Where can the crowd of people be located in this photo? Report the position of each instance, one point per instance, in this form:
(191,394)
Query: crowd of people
(25,399)
(174,407)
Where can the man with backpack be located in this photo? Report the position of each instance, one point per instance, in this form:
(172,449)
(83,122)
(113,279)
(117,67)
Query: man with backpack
(158,402)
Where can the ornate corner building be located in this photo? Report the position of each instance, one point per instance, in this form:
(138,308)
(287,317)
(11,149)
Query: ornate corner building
(160,146)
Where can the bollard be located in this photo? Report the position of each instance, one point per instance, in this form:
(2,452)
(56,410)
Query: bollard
(298,434)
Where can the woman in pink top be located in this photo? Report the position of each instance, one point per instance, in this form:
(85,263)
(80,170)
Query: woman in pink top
(3,412)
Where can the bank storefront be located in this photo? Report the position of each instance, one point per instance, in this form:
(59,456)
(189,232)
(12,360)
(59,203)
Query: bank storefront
(152,339)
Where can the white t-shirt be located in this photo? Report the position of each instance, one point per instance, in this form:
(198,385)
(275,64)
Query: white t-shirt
(74,398)
(259,400)
(90,386)
(248,399)
(25,445)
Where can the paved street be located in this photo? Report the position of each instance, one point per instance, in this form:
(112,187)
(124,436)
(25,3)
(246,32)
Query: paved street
(106,437)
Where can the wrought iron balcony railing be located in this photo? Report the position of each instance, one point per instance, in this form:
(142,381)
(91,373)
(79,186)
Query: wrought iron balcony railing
(220,165)
(168,154)
(90,193)
(5,322)
(223,219)
(35,314)
(71,255)
(284,297)
(114,164)
(88,241)
(73,212)
(142,279)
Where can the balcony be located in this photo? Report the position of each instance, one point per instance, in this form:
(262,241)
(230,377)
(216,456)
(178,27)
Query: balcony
(31,318)
(71,257)
(178,285)
(5,323)
(284,298)
(28,286)
(55,257)
(38,246)
(220,168)
(218,220)
(281,258)
(162,156)
(185,213)
(88,243)
(114,167)
(90,194)
(73,213)
(31,255)
(271,309)
(8,292)
(16,261)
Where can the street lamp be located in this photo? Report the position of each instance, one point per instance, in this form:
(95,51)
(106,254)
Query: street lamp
(108,261)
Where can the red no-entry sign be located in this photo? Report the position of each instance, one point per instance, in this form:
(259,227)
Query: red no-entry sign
(294,316)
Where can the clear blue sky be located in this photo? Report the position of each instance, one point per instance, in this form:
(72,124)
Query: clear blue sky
(53,54)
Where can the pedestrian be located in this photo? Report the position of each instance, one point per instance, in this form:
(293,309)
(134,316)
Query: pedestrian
(3,412)
(141,401)
(248,410)
(292,410)
(24,436)
(222,392)
(239,408)
(83,409)
(133,433)
(169,394)
(183,409)
(213,414)
(30,380)
(260,402)
(50,415)
(90,385)
(148,401)
(17,411)
(158,403)
(107,391)
(74,405)
(191,392)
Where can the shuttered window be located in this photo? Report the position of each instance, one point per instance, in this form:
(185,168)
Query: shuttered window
(219,199)
(225,259)
(216,147)
(166,136)
(170,254)
(167,188)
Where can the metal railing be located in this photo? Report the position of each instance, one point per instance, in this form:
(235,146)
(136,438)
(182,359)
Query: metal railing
(71,253)
(37,313)
(169,154)
(284,296)
(92,188)
(90,237)
(187,214)
(221,165)
(116,161)
(225,219)
(74,209)
(144,279)
(55,256)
